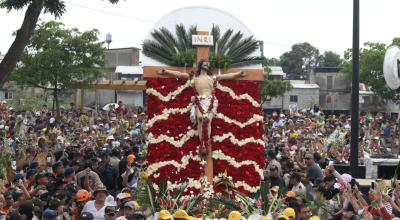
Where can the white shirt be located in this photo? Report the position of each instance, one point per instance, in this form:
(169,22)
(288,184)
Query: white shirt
(98,214)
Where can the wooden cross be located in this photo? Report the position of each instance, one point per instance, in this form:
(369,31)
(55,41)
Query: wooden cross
(202,52)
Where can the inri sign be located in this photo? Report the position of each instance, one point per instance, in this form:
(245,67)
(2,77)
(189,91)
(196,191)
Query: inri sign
(202,40)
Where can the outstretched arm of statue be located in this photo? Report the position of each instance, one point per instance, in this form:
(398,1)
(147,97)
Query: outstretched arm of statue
(228,76)
(173,73)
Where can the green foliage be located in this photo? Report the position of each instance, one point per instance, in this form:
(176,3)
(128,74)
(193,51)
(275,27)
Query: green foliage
(232,50)
(298,62)
(57,57)
(54,7)
(171,50)
(273,88)
(329,59)
(371,69)
(229,50)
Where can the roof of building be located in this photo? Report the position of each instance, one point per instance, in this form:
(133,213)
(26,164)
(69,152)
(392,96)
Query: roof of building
(1,57)
(364,89)
(302,84)
(123,48)
(326,69)
(138,70)
(276,71)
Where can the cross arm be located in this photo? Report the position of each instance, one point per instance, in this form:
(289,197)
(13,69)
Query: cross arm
(173,73)
(234,75)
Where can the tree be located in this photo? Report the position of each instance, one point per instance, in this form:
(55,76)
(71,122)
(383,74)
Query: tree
(298,62)
(229,49)
(57,58)
(32,13)
(329,59)
(371,69)
(273,88)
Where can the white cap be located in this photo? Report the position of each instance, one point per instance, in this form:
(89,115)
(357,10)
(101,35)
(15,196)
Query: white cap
(52,120)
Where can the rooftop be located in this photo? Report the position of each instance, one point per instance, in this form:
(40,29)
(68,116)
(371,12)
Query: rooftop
(302,84)
(326,69)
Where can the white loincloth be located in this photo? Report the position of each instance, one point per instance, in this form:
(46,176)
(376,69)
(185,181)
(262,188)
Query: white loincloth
(205,103)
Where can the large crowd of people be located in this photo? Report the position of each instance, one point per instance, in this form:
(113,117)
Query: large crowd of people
(87,164)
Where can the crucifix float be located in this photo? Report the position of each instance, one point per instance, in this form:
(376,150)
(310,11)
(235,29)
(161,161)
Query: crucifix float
(229,134)
(204,84)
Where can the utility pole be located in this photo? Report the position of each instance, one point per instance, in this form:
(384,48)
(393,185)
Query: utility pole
(355,90)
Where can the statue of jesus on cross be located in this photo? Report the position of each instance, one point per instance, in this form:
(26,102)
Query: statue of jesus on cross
(205,105)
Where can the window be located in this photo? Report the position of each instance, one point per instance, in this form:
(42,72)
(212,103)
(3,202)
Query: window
(8,95)
(329,82)
(293,98)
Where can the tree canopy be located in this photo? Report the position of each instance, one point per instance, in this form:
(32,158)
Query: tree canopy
(329,59)
(371,68)
(56,58)
(299,61)
(32,13)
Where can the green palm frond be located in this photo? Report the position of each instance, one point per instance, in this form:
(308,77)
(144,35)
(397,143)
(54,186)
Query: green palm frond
(181,37)
(230,49)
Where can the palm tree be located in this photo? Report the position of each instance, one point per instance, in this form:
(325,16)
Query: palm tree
(229,50)
(169,49)
(232,50)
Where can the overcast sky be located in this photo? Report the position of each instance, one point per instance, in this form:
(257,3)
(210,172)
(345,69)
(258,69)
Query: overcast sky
(326,24)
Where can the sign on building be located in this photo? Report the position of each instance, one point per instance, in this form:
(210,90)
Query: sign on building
(202,40)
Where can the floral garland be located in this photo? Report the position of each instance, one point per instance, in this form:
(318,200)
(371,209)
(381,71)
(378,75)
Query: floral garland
(236,141)
(172,95)
(238,97)
(173,141)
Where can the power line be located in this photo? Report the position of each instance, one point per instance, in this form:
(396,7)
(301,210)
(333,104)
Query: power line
(112,13)
(150,21)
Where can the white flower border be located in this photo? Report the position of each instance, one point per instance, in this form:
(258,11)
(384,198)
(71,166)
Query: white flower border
(255,118)
(219,155)
(244,96)
(166,112)
(176,143)
(236,141)
(171,95)
(183,163)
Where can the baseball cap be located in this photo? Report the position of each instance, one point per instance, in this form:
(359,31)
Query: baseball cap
(86,216)
(56,165)
(83,195)
(164,214)
(131,158)
(282,217)
(181,214)
(290,213)
(110,210)
(69,171)
(123,195)
(235,215)
(131,204)
(290,194)
(49,213)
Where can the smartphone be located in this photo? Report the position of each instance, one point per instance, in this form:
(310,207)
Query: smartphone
(372,185)
(330,163)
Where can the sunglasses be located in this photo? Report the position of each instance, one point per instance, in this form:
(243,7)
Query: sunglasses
(307,158)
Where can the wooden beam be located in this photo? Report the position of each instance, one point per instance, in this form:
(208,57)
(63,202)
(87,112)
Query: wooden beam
(202,52)
(252,74)
(116,85)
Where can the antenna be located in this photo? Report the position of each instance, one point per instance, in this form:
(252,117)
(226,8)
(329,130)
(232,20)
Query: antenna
(391,67)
